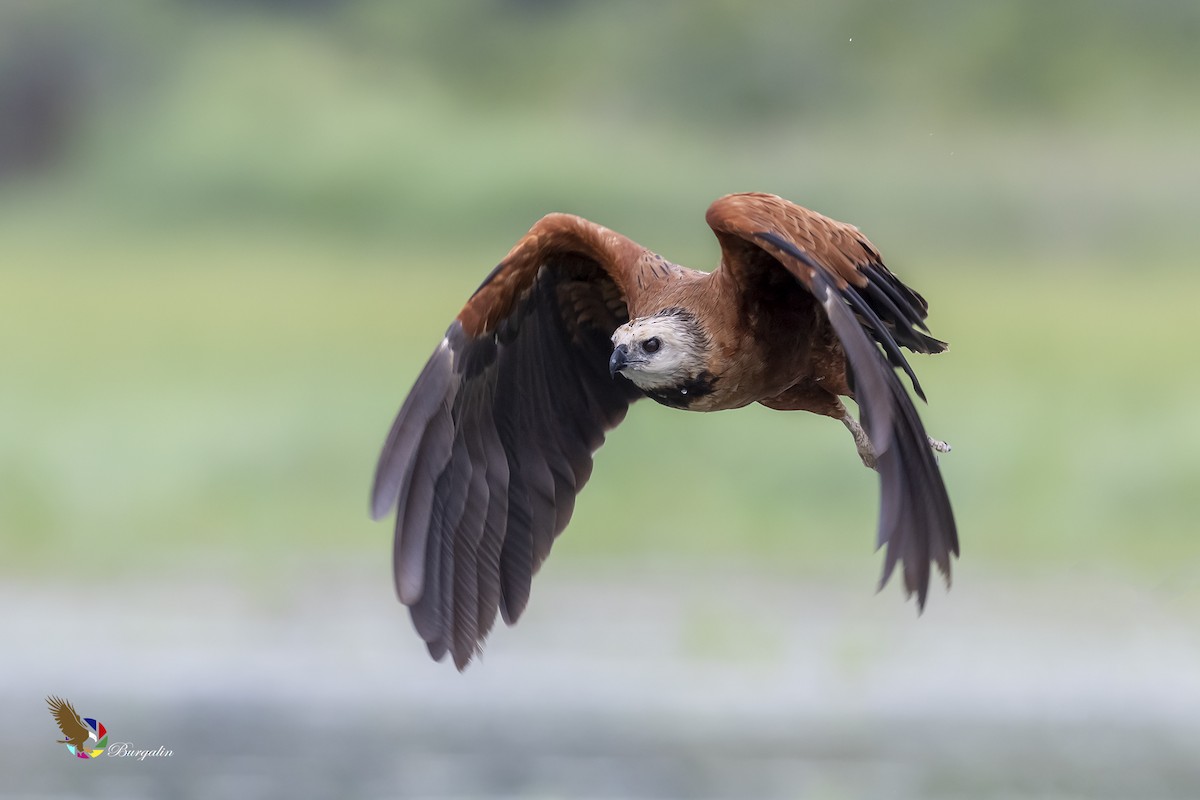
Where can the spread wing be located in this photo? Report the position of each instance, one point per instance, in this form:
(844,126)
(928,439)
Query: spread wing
(873,315)
(69,723)
(496,437)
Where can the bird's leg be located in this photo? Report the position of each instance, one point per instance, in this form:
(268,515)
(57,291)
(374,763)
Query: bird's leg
(938,445)
(861,441)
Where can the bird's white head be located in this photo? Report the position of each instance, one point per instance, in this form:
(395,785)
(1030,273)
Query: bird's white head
(660,352)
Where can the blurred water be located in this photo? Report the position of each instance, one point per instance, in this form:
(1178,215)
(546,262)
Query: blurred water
(639,687)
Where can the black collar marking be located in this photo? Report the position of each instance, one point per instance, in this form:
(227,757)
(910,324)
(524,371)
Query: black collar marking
(686,393)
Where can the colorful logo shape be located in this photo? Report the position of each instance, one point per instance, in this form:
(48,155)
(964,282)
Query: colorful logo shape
(95,731)
(78,730)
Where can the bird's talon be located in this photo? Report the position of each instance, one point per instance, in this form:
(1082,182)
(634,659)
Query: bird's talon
(861,442)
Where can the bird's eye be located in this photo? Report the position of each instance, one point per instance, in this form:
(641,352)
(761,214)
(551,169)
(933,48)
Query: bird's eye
(652,344)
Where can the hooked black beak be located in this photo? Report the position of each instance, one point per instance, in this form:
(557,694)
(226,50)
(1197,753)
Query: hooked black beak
(620,357)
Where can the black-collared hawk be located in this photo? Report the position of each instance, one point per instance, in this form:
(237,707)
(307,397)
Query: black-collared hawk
(496,438)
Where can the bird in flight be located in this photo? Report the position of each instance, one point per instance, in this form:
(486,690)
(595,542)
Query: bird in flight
(68,721)
(496,437)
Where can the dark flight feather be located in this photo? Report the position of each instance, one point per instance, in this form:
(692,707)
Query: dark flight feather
(915,519)
(881,332)
(488,453)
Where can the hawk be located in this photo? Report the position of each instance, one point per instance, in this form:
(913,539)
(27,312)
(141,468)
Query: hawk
(496,437)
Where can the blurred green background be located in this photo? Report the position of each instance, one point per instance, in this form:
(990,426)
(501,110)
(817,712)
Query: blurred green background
(231,232)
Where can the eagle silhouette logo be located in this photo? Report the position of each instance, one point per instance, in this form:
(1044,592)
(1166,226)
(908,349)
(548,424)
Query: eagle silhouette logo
(77,730)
